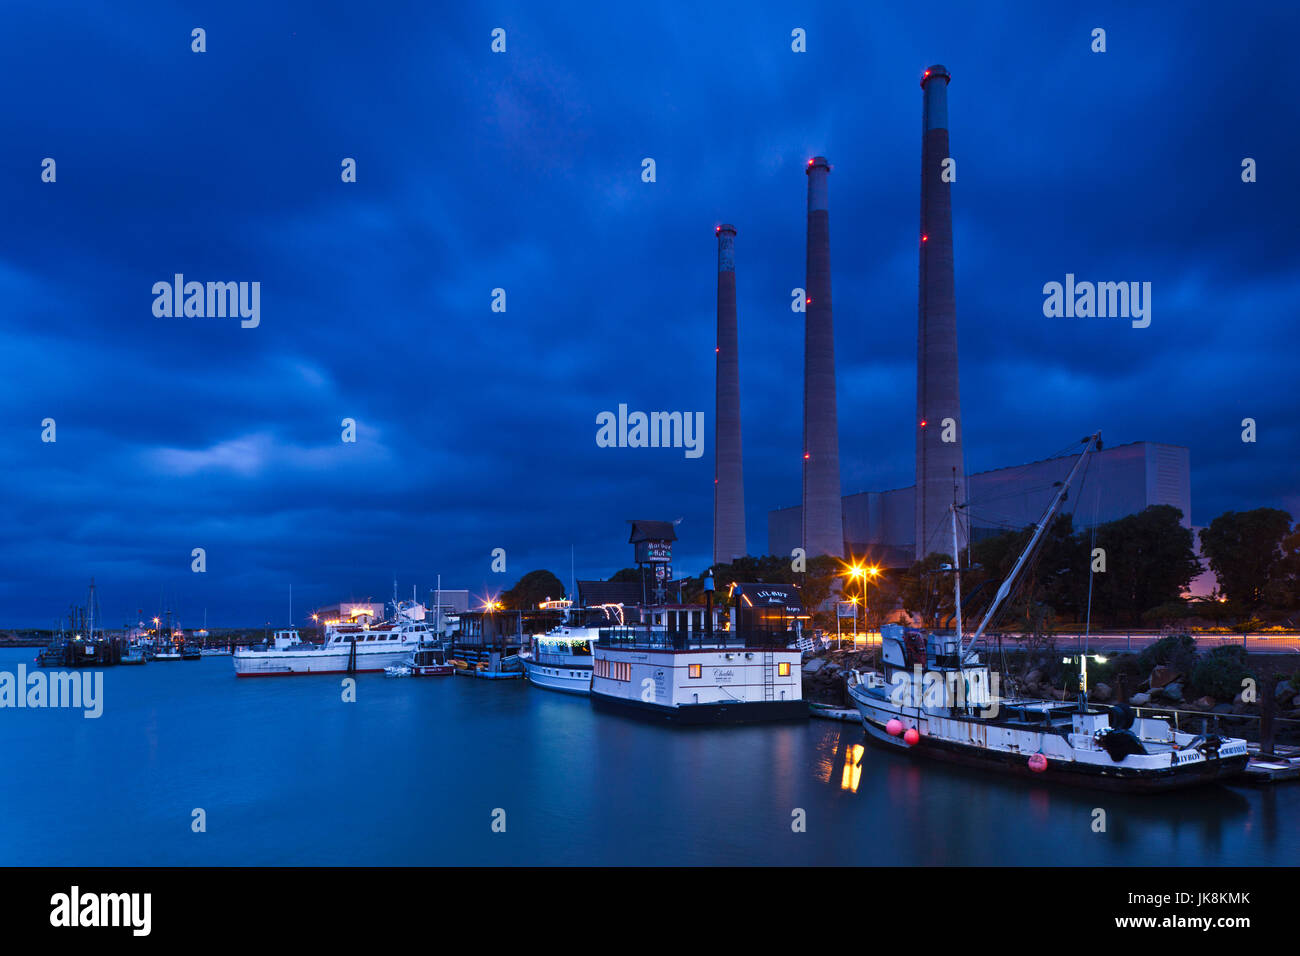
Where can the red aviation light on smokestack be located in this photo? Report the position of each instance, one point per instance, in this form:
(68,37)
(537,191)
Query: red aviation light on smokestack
(925,238)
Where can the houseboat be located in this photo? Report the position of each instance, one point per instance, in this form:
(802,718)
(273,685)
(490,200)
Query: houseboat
(698,664)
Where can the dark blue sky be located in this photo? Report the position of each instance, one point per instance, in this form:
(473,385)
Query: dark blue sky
(523,171)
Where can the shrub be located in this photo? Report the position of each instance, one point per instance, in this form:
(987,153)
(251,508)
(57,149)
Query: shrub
(1177,650)
(1220,673)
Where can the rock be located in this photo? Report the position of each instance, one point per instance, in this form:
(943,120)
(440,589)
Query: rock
(1283,692)
(1162,676)
(1033,677)
(1101,692)
(1204,703)
(1173,691)
(1223,708)
(1140,700)
(1238,699)
(814,665)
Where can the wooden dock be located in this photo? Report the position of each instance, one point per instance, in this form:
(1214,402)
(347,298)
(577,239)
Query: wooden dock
(1281,765)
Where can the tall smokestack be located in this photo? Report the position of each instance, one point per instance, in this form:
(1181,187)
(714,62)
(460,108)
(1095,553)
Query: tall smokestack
(728,471)
(939,468)
(823,518)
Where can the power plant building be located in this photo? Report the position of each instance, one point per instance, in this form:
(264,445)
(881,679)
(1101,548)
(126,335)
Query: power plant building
(1120,481)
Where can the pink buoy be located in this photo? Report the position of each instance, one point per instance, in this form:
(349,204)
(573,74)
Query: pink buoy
(894,727)
(912,737)
(1037,763)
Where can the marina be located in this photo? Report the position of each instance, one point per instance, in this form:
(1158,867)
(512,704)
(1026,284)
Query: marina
(723,795)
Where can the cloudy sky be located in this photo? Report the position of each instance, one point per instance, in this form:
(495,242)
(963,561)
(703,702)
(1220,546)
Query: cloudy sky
(522,171)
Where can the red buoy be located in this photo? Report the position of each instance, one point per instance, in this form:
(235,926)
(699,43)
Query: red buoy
(894,727)
(911,737)
(1037,763)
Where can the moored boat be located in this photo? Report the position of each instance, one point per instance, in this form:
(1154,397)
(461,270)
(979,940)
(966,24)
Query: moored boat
(935,697)
(347,649)
(560,659)
(681,666)
(430,661)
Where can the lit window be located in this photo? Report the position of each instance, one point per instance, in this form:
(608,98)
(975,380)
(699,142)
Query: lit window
(695,670)
(783,669)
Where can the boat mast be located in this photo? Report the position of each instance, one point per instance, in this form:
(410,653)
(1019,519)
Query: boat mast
(956,562)
(1090,444)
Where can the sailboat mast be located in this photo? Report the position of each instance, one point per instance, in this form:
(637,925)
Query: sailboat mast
(956,567)
(1090,444)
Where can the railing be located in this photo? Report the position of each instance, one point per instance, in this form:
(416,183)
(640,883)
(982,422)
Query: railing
(653,638)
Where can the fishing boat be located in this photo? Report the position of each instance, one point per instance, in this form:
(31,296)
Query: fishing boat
(935,697)
(134,654)
(166,650)
(430,661)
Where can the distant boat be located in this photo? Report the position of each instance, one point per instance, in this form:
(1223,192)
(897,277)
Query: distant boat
(166,651)
(430,662)
(134,655)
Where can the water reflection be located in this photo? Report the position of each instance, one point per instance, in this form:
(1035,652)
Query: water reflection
(939,812)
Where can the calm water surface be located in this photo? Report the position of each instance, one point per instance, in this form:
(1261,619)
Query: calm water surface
(412,772)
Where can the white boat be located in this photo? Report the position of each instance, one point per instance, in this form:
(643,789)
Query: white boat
(347,649)
(935,697)
(560,658)
(676,668)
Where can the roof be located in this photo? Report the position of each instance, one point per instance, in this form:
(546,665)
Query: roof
(643,530)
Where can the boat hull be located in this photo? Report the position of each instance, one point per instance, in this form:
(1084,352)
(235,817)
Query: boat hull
(1076,774)
(303,663)
(731,712)
(565,680)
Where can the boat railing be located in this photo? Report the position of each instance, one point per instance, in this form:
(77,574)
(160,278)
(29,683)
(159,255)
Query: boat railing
(653,638)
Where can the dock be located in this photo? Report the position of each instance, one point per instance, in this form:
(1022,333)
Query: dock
(1277,767)
(829,712)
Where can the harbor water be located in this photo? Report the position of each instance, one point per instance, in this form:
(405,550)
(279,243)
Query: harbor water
(458,771)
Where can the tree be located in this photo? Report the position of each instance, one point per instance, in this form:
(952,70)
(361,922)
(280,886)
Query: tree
(533,588)
(926,591)
(1149,562)
(1245,551)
